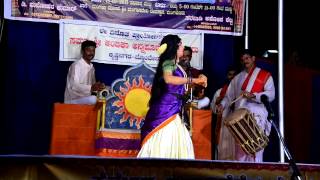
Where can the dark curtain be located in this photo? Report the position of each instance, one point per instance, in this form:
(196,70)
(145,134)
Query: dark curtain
(302,87)
(33,79)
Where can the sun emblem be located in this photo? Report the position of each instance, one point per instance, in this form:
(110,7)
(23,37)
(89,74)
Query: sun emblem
(133,101)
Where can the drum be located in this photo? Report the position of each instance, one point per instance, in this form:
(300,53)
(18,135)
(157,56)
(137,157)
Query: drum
(245,130)
(103,94)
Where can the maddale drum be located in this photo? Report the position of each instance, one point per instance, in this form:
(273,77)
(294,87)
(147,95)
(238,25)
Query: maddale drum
(245,130)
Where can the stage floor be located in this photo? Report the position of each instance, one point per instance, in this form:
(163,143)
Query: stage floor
(95,167)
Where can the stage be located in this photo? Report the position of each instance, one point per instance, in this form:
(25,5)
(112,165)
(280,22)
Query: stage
(95,167)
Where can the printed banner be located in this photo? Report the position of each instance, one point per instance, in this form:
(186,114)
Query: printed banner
(127,104)
(118,44)
(103,168)
(210,16)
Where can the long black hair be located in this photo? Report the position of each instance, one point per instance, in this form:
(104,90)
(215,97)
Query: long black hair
(158,85)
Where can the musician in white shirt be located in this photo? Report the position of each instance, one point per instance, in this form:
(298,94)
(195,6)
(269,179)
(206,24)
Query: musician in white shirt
(250,84)
(81,81)
(224,141)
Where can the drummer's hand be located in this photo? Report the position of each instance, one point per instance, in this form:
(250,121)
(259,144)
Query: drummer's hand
(194,104)
(248,95)
(95,87)
(219,108)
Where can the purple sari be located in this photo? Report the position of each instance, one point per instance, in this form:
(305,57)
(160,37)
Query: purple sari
(169,104)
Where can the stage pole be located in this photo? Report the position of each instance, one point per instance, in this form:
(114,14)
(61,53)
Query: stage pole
(246,38)
(280,75)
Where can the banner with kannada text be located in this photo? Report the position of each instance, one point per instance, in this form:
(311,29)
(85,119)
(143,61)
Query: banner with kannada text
(118,44)
(209,16)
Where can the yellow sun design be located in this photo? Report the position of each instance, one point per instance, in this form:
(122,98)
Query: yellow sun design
(133,101)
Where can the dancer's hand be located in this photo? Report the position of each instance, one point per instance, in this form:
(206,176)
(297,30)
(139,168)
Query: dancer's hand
(202,80)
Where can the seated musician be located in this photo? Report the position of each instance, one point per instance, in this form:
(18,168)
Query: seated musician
(200,101)
(81,81)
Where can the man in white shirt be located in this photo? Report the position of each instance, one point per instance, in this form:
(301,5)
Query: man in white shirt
(250,84)
(223,139)
(201,101)
(81,81)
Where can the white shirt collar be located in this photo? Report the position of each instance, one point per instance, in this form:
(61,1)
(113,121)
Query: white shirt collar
(84,62)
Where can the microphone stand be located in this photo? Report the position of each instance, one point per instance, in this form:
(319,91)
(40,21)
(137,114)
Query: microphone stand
(190,99)
(296,175)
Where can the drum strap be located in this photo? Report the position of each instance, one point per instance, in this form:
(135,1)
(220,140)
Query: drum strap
(259,81)
(223,90)
(246,81)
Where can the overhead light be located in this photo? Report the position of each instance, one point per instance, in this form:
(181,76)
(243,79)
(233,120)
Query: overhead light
(272,51)
(268,52)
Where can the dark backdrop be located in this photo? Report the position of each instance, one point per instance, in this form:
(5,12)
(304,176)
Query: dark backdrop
(33,79)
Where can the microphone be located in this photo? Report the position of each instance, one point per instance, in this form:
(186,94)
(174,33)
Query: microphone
(265,100)
(188,65)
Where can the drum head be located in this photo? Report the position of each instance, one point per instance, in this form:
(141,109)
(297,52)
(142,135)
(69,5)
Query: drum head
(236,115)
